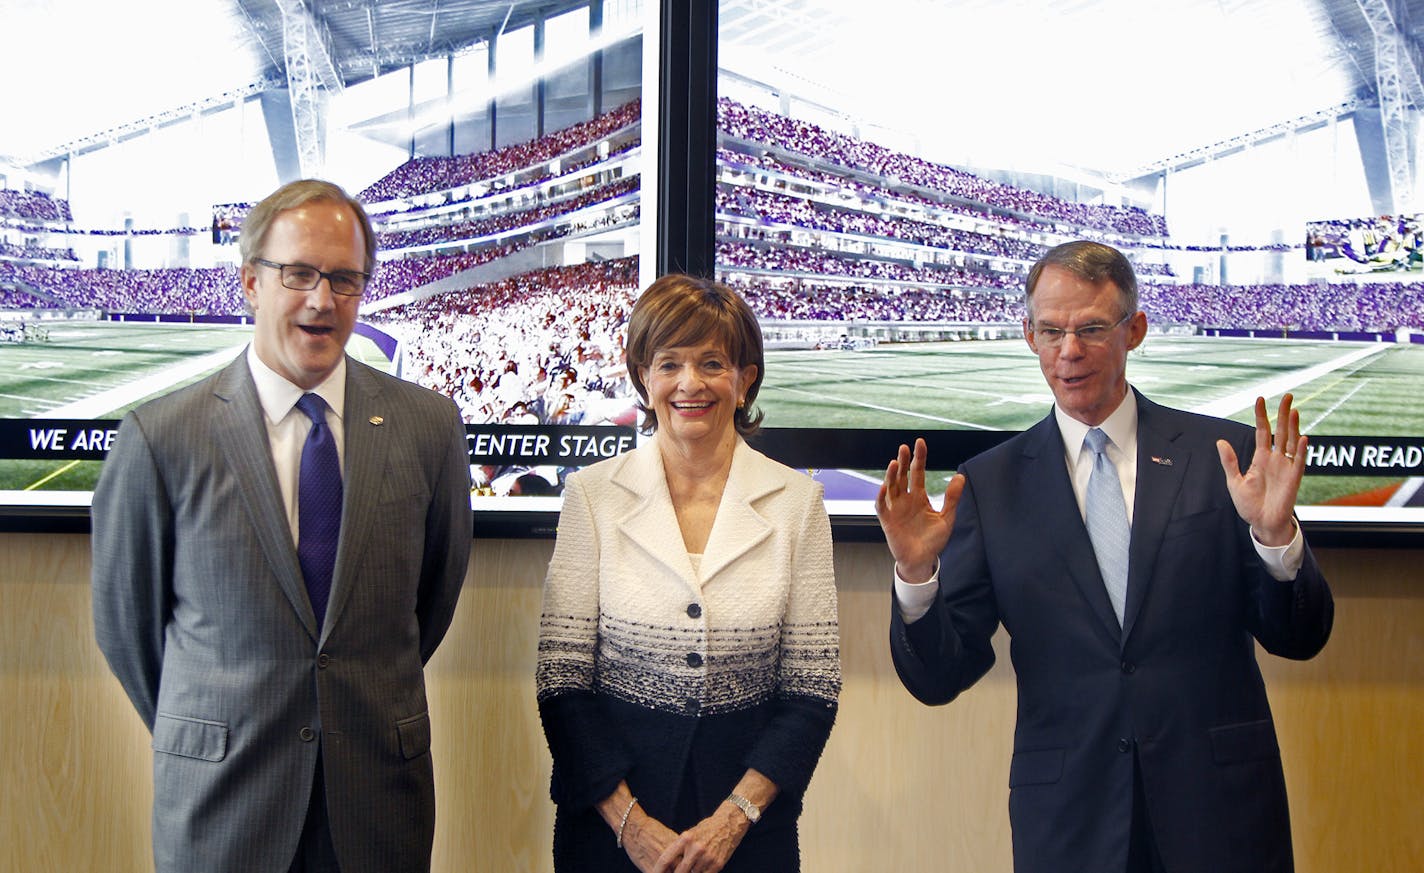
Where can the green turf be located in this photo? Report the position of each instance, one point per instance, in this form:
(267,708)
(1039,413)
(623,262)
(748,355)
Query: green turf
(997,385)
(992,385)
(82,360)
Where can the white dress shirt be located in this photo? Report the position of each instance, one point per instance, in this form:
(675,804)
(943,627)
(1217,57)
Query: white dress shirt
(287,426)
(1282,562)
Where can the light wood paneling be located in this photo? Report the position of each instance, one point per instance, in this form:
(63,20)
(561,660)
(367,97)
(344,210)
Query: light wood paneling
(77,778)
(902,786)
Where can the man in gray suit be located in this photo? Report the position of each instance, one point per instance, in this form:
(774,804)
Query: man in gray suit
(277,552)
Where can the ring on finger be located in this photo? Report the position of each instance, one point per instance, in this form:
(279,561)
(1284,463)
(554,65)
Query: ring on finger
(1289,456)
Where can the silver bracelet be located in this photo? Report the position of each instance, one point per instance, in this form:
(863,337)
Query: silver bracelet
(623,824)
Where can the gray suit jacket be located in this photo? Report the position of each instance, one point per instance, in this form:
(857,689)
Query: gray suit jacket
(202,613)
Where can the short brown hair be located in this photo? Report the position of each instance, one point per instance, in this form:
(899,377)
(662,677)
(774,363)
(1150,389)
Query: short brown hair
(679,310)
(290,196)
(1092,262)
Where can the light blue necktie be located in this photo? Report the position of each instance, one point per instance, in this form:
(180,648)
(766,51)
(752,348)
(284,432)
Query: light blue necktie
(1106,516)
(318,505)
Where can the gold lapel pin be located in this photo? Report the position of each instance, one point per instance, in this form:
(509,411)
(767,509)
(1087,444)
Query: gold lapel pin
(376,420)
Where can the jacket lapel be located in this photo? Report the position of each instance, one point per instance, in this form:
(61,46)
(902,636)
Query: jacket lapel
(367,441)
(738,526)
(242,437)
(1045,476)
(651,523)
(1157,487)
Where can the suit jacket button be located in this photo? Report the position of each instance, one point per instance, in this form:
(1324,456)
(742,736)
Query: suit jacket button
(1124,745)
(692,705)
(1128,667)
(322,660)
(694,659)
(694,610)
(307,734)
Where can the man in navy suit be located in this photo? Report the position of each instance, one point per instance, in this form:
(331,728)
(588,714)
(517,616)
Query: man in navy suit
(1135,554)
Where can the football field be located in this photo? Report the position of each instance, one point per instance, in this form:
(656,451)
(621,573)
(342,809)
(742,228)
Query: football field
(101,370)
(1340,388)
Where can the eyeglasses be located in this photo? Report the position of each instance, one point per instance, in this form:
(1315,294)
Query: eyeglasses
(300,277)
(1088,334)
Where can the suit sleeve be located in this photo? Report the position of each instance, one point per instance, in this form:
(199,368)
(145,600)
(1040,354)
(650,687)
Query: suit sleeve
(949,649)
(590,758)
(804,709)
(1289,619)
(132,566)
(449,528)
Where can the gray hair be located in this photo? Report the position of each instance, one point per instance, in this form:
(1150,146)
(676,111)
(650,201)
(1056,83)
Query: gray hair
(1092,262)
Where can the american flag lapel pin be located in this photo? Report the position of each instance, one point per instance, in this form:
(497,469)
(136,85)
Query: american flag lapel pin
(1165,462)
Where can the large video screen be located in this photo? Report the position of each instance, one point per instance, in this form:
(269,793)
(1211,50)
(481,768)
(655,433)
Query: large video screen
(503,175)
(882,218)
(886,174)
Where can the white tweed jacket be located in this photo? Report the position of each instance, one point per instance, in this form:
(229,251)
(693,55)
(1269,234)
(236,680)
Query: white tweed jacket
(626,615)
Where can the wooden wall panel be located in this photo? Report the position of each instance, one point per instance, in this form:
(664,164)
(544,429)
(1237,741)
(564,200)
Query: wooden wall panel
(901,786)
(74,757)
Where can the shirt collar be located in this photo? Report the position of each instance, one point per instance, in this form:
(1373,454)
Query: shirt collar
(278,396)
(1120,426)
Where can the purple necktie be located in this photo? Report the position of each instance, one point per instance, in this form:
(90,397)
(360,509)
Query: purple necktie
(318,506)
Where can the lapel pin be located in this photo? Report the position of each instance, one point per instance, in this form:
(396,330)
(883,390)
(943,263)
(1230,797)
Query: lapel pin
(1166,462)
(378,421)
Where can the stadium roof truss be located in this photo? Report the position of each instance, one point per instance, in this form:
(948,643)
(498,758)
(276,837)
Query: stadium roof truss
(1400,95)
(1381,46)
(366,38)
(311,75)
(1227,147)
(317,47)
(314,47)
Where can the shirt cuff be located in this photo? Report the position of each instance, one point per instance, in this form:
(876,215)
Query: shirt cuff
(1282,562)
(915,599)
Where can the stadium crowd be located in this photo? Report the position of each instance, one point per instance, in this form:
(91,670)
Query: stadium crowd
(545,346)
(205,291)
(424,175)
(772,207)
(805,262)
(907,202)
(522,189)
(33,206)
(797,301)
(36,253)
(11,298)
(769,129)
(469,230)
(814,199)
(405,274)
(1377,306)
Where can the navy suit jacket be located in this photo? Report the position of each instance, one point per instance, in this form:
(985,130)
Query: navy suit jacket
(1177,686)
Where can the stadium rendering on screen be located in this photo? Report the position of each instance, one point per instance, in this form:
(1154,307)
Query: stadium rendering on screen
(883,239)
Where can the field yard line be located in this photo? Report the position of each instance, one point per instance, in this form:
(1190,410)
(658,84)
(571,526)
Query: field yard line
(25,399)
(1336,405)
(873,406)
(1224,407)
(1405,492)
(53,474)
(933,382)
(101,404)
(59,379)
